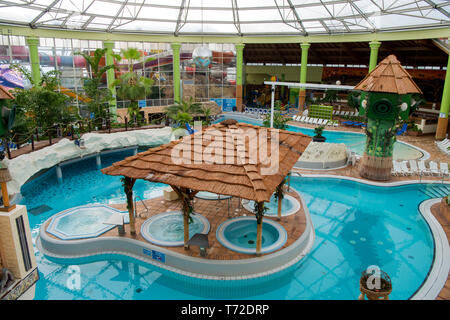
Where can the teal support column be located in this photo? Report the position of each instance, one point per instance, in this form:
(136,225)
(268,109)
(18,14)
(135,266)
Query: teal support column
(239,75)
(441,130)
(176,71)
(33,44)
(110,77)
(303,69)
(374,46)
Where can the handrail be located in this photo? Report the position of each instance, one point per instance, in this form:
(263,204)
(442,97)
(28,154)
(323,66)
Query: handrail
(135,207)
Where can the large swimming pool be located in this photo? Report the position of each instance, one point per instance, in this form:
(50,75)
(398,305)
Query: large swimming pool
(354,141)
(356,226)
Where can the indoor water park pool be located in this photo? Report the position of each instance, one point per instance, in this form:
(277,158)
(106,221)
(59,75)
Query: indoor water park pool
(354,141)
(352,232)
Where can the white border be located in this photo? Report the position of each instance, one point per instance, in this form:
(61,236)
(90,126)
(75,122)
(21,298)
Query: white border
(147,236)
(221,237)
(294,209)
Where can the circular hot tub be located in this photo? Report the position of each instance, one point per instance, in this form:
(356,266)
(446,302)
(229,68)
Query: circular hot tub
(205,195)
(289,205)
(167,229)
(239,234)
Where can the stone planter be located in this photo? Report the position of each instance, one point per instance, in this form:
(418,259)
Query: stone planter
(318,139)
(414,133)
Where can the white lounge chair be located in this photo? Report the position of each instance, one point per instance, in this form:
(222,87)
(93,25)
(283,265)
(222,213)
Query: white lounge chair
(346,113)
(442,142)
(434,168)
(335,123)
(404,167)
(413,166)
(357,113)
(352,114)
(422,168)
(320,122)
(444,169)
(396,170)
(311,120)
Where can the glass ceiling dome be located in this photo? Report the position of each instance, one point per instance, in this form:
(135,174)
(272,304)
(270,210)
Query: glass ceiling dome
(233,17)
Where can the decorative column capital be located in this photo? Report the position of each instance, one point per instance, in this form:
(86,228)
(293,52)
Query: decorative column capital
(108,44)
(239,46)
(32,41)
(374,45)
(175,46)
(305,45)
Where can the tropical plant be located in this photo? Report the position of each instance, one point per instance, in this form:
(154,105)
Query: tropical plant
(132,86)
(184,106)
(352,99)
(279,122)
(330,96)
(98,96)
(207,115)
(181,118)
(42,106)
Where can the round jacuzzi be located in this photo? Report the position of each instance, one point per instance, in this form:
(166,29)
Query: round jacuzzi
(239,234)
(289,205)
(167,229)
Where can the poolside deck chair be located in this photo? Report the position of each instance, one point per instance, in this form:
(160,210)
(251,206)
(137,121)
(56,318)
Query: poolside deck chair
(347,123)
(352,114)
(320,122)
(444,169)
(357,113)
(422,168)
(315,120)
(439,143)
(335,123)
(346,113)
(434,168)
(404,167)
(413,166)
(189,129)
(402,130)
(396,170)
(301,119)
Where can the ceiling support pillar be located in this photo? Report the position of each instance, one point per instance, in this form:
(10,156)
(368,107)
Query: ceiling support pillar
(441,130)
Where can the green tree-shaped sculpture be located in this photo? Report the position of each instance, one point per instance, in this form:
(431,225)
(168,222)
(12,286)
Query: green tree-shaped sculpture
(386,99)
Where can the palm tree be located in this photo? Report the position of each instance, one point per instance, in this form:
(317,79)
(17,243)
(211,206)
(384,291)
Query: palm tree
(97,96)
(132,87)
(207,115)
(185,106)
(279,122)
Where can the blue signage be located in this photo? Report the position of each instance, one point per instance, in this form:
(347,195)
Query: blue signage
(92,115)
(142,103)
(158,256)
(228,104)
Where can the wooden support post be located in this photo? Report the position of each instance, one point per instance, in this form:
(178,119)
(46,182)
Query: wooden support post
(126,124)
(89,126)
(259,222)
(128,184)
(8,150)
(186,196)
(32,142)
(37,134)
(49,136)
(17,142)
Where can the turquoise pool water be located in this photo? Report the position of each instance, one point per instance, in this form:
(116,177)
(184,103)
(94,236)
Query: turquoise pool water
(356,226)
(354,141)
(272,207)
(169,228)
(242,234)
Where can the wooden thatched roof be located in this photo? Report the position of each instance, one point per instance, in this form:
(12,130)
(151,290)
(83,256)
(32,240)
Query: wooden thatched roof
(4,93)
(390,77)
(237,170)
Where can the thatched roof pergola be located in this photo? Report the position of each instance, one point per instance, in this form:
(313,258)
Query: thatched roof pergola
(229,158)
(390,77)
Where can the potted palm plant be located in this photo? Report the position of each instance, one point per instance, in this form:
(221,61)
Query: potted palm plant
(318,137)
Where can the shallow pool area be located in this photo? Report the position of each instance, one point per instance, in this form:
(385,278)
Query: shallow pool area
(86,221)
(166,229)
(356,225)
(239,234)
(354,141)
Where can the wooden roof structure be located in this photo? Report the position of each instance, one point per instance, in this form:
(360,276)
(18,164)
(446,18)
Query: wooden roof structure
(390,77)
(5,94)
(231,160)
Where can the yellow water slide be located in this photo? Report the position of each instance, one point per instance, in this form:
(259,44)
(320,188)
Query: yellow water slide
(74,95)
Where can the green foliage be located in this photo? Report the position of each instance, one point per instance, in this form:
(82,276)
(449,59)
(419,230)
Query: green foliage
(42,106)
(318,131)
(352,99)
(92,85)
(330,96)
(259,215)
(132,86)
(207,115)
(277,104)
(185,106)
(279,122)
